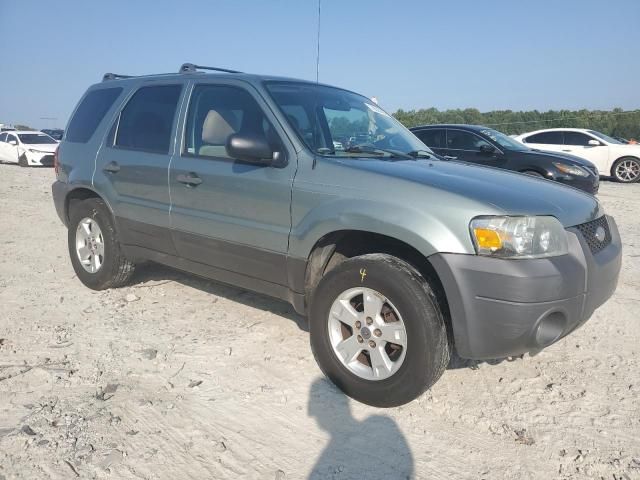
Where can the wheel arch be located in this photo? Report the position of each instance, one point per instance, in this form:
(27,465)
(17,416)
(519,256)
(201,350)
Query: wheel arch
(534,169)
(79,194)
(335,247)
(619,159)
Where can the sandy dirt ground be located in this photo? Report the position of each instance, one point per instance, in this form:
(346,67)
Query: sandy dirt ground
(177,377)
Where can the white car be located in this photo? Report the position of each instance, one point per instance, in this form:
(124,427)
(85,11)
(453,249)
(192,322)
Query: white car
(27,148)
(611,156)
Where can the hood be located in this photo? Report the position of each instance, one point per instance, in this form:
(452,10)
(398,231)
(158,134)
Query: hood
(486,190)
(561,157)
(42,147)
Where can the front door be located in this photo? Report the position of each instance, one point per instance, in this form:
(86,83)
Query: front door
(577,143)
(132,167)
(472,148)
(228,214)
(9,148)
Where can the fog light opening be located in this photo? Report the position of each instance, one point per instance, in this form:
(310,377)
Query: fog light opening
(550,328)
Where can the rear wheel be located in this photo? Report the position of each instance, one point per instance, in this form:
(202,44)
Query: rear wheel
(94,248)
(626,170)
(377,331)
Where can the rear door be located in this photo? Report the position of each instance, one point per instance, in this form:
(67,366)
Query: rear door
(577,143)
(434,138)
(551,141)
(132,166)
(228,214)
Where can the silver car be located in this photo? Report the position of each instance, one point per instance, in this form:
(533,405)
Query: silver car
(395,256)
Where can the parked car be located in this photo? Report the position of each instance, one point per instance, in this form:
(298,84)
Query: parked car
(396,257)
(55,133)
(27,148)
(611,156)
(488,147)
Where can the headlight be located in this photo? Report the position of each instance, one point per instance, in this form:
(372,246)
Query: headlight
(519,237)
(571,169)
(33,150)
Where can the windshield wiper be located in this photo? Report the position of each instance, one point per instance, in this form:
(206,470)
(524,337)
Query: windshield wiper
(419,154)
(377,151)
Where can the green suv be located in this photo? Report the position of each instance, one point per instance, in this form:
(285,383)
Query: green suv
(315,195)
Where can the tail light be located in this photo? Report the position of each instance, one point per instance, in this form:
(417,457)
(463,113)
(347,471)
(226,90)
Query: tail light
(56,164)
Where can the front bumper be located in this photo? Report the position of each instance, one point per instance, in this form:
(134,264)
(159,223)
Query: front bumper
(589,184)
(44,159)
(501,308)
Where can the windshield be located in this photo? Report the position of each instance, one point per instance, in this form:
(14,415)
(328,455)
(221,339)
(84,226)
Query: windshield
(606,138)
(503,140)
(336,122)
(36,138)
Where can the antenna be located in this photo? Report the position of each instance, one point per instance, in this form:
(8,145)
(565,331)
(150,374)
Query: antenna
(318,50)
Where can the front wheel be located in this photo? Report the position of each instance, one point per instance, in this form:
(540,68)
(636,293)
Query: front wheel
(377,331)
(94,248)
(626,170)
(22,160)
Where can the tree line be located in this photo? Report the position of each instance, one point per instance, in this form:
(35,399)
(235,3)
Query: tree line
(616,122)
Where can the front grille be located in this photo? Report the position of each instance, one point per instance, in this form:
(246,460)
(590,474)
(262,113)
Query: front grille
(588,231)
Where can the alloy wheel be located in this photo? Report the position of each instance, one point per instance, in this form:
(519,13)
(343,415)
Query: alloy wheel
(367,333)
(628,170)
(90,245)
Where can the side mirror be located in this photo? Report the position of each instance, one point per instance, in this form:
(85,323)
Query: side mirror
(13,142)
(251,148)
(594,143)
(486,148)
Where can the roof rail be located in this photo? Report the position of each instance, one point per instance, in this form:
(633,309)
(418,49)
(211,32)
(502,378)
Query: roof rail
(190,68)
(114,76)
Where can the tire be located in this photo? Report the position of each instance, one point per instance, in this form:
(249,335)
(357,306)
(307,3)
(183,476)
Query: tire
(115,270)
(22,161)
(428,347)
(626,170)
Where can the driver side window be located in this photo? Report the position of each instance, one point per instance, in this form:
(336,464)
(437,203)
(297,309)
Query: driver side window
(461,140)
(216,112)
(3,137)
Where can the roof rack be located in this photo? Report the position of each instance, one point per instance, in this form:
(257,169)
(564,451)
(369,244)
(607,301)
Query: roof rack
(114,76)
(190,68)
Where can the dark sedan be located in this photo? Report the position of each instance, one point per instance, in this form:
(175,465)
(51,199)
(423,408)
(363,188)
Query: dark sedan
(485,146)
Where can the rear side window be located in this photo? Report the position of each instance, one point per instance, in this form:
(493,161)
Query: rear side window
(548,138)
(146,121)
(432,138)
(90,113)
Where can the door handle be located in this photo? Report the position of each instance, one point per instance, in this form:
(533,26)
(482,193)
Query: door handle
(449,157)
(566,150)
(190,180)
(111,167)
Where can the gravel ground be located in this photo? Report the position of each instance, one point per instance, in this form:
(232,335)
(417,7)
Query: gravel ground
(179,377)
